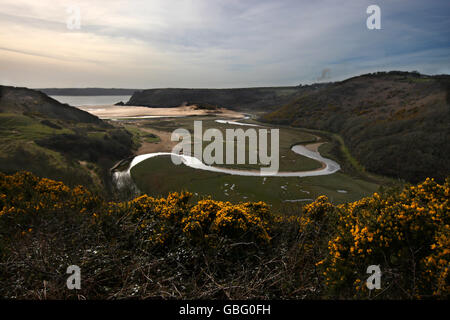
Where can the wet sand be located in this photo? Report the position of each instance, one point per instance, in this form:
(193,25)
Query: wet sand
(314,146)
(117,112)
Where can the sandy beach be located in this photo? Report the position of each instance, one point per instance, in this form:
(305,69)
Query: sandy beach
(114,112)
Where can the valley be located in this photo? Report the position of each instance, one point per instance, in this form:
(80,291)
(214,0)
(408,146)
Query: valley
(157,176)
(117,191)
(84,150)
(224,159)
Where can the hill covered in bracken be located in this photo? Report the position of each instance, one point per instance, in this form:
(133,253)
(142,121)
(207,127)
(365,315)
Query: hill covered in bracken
(396,123)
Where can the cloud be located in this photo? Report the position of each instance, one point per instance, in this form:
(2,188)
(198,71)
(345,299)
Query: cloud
(221,43)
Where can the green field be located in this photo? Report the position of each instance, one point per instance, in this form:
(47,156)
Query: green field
(159,176)
(289,161)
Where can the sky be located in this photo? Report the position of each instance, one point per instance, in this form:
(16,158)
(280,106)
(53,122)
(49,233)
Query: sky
(216,43)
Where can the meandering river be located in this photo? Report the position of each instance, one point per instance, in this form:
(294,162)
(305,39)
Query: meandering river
(328,166)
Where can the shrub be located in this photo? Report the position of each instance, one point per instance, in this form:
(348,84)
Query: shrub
(173,247)
(405,233)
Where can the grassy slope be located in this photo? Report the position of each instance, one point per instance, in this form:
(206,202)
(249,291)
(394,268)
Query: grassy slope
(53,140)
(395,124)
(140,136)
(19,151)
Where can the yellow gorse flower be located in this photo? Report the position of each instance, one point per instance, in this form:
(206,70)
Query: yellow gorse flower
(384,228)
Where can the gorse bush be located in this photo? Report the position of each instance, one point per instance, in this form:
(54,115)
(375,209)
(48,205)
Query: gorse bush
(406,233)
(24,195)
(174,247)
(246,221)
(170,219)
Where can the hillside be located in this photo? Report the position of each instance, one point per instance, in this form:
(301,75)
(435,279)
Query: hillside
(50,139)
(242,99)
(31,102)
(396,124)
(87,91)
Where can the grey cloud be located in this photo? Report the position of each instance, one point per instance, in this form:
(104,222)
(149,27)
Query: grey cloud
(261,42)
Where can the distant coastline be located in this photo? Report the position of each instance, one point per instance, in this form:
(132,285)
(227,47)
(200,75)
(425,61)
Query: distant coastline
(90,100)
(88,91)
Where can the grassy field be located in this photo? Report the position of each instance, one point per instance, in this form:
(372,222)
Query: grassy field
(140,136)
(159,176)
(289,161)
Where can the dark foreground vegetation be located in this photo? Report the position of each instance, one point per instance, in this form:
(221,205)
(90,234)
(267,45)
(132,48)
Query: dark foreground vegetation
(396,124)
(175,248)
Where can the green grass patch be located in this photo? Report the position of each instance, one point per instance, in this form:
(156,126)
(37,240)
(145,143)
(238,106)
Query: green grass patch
(16,126)
(159,176)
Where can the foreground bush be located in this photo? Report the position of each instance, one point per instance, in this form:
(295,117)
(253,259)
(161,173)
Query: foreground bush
(175,248)
(406,234)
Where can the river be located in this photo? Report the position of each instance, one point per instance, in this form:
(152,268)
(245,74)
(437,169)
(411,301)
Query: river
(329,166)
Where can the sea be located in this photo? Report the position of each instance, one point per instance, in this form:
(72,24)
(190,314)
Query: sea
(90,100)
